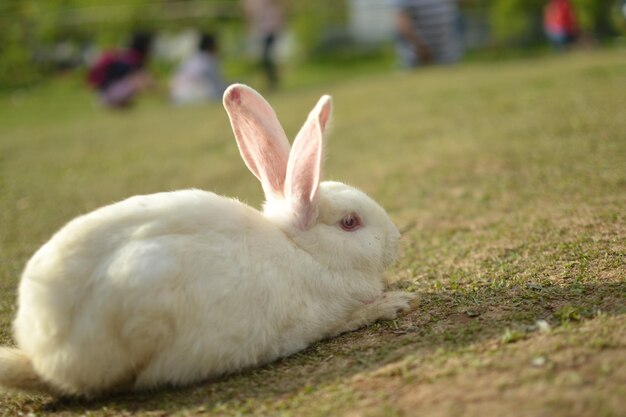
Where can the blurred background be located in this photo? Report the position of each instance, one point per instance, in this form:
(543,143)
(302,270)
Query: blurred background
(311,40)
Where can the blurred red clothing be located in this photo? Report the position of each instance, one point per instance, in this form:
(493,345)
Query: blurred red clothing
(559,18)
(114,65)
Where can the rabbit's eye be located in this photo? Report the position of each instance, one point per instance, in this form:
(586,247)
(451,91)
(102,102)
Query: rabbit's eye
(350,223)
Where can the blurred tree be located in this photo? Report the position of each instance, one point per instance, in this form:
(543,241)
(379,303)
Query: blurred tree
(596,16)
(16,43)
(516,20)
(316,24)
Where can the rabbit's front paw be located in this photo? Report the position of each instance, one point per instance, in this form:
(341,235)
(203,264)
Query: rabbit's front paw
(390,303)
(384,307)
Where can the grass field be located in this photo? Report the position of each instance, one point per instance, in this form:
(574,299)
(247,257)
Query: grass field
(508,181)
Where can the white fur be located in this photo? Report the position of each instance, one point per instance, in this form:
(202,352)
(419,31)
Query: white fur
(173,288)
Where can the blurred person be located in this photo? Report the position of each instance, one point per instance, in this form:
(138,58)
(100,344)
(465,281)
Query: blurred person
(266,20)
(199,77)
(428,32)
(120,75)
(560,24)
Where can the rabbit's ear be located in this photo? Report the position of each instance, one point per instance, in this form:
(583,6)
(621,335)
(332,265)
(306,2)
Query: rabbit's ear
(260,137)
(304,168)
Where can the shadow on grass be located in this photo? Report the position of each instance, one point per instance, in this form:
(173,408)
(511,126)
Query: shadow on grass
(447,319)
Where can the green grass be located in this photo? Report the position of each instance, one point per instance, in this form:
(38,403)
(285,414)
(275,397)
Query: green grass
(508,181)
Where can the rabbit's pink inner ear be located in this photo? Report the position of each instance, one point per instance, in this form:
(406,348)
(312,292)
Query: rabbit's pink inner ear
(304,168)
(325,105)
(261,139)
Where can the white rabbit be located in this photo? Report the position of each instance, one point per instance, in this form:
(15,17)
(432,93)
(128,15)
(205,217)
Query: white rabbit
(173,288)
